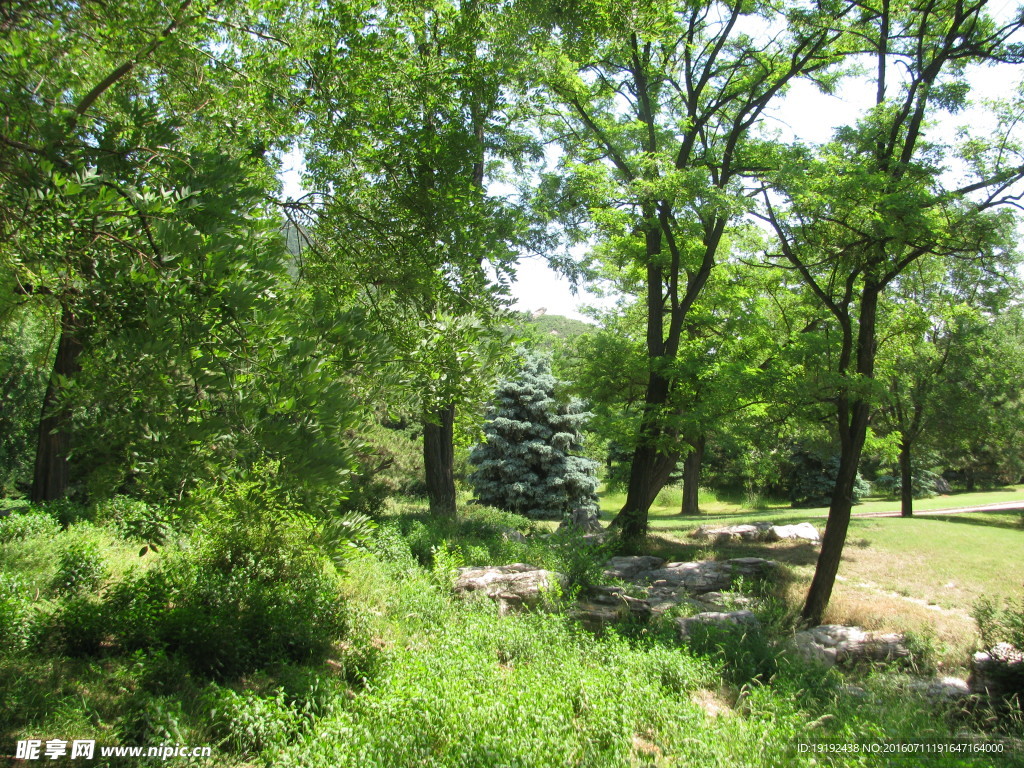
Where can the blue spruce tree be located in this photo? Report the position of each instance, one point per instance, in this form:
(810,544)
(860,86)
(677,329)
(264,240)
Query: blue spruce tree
(526,464)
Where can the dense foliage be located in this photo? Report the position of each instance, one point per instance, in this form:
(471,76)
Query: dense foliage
(215,387)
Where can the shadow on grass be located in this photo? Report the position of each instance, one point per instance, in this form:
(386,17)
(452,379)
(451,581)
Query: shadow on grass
(674,550)
(1014,518)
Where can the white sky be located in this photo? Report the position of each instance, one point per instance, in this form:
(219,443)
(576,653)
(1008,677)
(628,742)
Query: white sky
(804,114)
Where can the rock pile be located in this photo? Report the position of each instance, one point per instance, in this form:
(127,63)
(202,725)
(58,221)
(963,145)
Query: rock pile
(756,532)
(997,672)
(831,644)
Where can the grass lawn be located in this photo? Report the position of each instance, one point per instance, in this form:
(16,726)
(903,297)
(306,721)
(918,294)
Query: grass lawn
(922,575)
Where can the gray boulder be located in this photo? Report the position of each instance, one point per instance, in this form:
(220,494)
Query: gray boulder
(716,618)
(725,534)
(704,576)
(756,532)
(513,586)
(628,567)
(607,605)
(831,644)
(584,520)
(800,531)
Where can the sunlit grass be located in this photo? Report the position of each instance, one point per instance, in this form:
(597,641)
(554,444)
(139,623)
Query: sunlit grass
(730,507)
(923,575)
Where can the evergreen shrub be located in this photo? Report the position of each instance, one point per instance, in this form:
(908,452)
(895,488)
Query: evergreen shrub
(813,478)
(529,462)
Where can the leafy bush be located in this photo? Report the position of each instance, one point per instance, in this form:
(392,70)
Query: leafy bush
(1003,624)
(248,723)
(251,585)
(226,622)
(17,619)
(81,568)
(1000,624)
(81,625)
(135,519)
(925,484)
(153,720)
(17,525)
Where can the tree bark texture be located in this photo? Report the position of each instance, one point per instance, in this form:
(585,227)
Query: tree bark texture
(650,468)
(907,479)
(691,477)
(439,461)
(853,414)
(50,478)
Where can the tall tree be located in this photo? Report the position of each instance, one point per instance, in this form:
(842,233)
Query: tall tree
(399,150)
(134,188)
(929,316)
(877,199)
(655,109)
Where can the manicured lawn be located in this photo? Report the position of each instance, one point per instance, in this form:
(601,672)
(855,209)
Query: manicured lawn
(715,508)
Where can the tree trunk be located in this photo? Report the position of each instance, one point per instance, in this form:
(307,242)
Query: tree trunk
(50,478)
(907,480)
(650,468)
(852,419)
(833,541)
(691,477)
(439,461)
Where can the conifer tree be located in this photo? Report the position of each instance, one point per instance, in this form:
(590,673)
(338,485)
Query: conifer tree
(526,463)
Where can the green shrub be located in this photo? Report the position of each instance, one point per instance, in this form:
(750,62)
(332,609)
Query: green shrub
(81,625)
(17,525)
(925,484)
(742,652)
(153,720)
(389,544)
(248,723)
(81,568)
(136,519)
(17,619)
(1000,624)
(250,586)
(566,551)
(812,479)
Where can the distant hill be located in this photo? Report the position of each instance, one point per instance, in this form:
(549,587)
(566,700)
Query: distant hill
(558,326)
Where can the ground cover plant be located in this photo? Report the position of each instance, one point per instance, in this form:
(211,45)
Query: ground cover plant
(409,674)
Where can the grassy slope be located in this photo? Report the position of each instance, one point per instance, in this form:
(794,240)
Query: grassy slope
(423,679)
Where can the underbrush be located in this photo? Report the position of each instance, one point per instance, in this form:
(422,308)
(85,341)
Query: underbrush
(488,536)
(245,633)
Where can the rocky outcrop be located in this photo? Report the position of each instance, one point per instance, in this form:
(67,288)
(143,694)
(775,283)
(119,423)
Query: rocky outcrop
(696,586)
(512,586)
(584,520)
(656,587)
(756,532)
(703,576)
(940,689)
(629,567)
(602,606)
(997,672)
(800,532)
(831,644)
(716,619)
